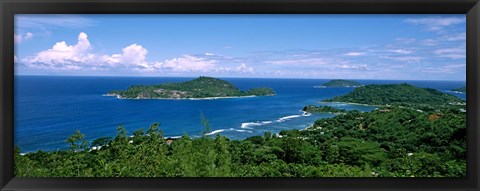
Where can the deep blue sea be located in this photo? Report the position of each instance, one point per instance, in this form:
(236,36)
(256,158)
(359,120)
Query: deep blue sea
(49,109)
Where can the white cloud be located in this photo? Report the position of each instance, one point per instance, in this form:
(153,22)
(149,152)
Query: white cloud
(457,37)
(449,68)
(354,67)
(79,57)
(436,23)
(405,40)
(63,56)
(244,69)
(404,58)
(429,42)
(355,54)
(18,38)
(401,51)
(449,50)
(453,53)
(29,35)
(306,61)
(186,63)
(133,55)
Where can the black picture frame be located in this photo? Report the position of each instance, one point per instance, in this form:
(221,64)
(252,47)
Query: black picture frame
(9,8)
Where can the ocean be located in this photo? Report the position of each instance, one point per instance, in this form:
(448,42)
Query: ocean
(48,109)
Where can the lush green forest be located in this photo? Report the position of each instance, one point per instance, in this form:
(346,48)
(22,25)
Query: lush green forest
(462,89)
(201,87)
(398,94)
(342,83)
(404,139)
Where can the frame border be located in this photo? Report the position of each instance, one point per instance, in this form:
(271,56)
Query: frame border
(8,8)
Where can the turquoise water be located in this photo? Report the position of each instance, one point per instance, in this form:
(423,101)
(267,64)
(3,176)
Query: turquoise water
(49,109)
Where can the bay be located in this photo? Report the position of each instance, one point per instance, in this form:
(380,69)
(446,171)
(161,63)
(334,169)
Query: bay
(48,109)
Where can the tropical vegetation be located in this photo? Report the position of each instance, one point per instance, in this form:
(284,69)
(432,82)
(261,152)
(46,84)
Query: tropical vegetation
(322,109)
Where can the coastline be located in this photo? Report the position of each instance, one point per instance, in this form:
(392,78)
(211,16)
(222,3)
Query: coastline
(205,98)
(336,86)
(352,103)
(455,92)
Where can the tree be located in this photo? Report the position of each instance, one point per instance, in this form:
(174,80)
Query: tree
(77,141)
(154,132)
(206,125)
(102,141)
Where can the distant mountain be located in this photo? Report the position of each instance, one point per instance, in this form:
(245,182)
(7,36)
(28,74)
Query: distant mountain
(342,83)
(397,94)
(463,89)
(201,87)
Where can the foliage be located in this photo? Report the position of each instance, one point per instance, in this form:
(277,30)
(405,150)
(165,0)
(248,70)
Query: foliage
(322,109)
(77,141)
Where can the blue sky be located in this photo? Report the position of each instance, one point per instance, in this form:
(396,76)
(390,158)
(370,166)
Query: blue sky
(409,47)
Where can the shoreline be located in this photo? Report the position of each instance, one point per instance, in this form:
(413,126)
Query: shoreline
(336,86)
(455,92)
(351,103)
(205,98)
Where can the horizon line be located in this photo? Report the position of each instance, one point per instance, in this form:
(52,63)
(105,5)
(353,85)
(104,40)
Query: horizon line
(243,77)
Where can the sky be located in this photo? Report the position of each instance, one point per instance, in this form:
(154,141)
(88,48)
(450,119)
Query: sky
(400,47)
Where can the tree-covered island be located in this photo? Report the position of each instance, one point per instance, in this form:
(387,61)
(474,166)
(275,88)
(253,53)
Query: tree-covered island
(341,83)
(201,87)
(398,94)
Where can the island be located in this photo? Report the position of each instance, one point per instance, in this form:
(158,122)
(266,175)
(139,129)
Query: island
(199,88)
(397,94)
(322,109)
(341,83)
(461,90)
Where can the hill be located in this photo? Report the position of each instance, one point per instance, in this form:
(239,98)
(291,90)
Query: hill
(341,83)
(201,87)
(397,94)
